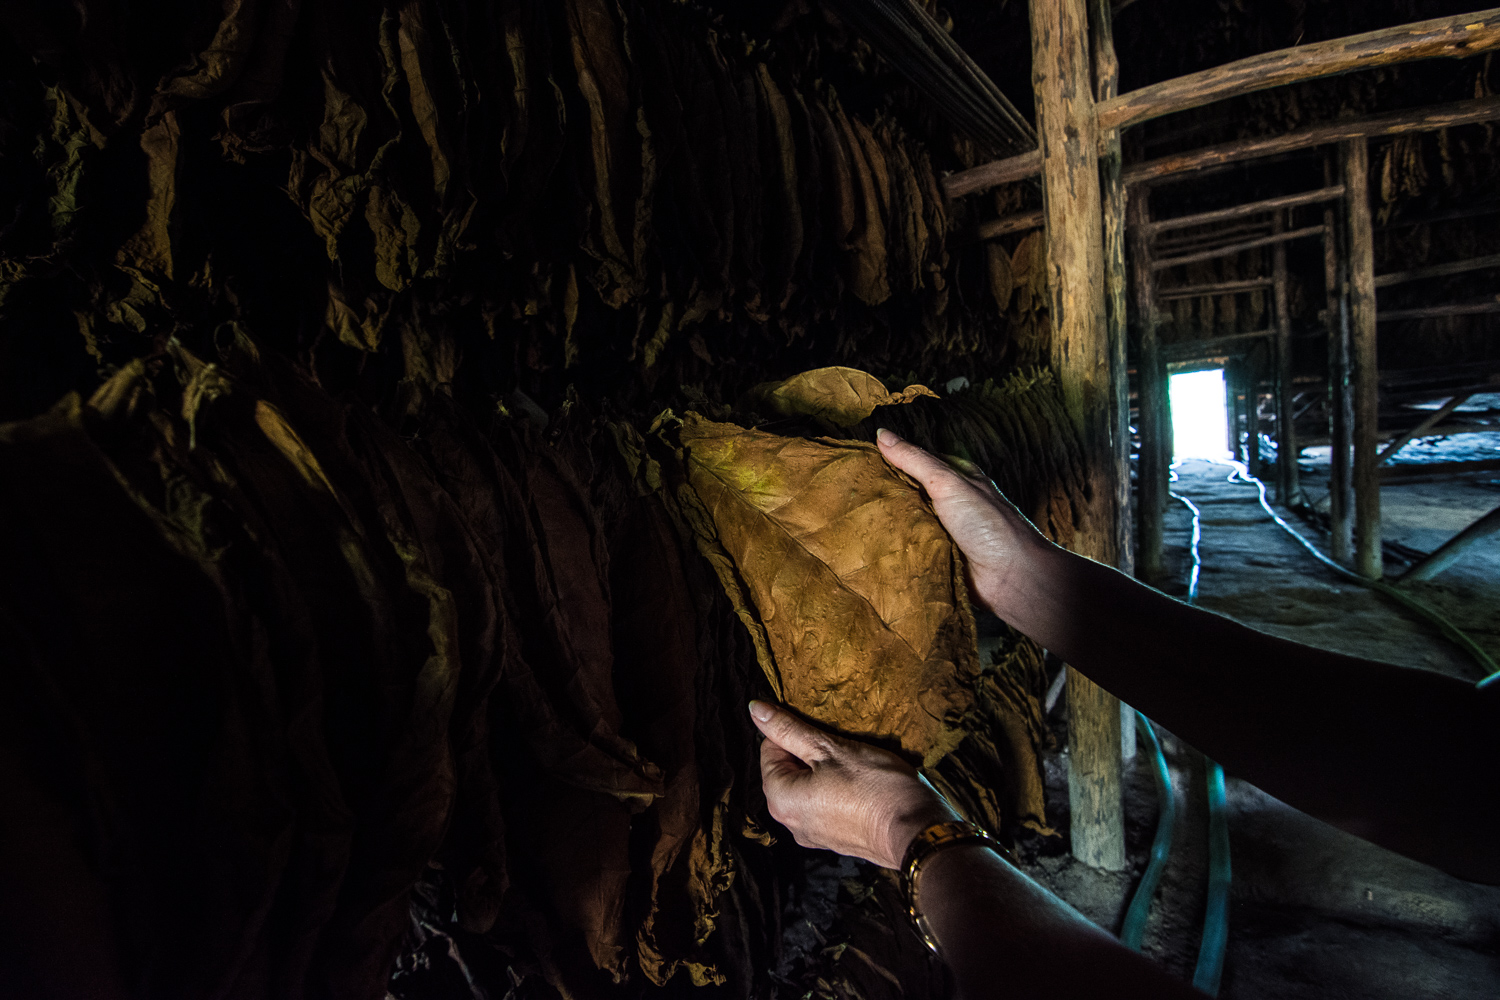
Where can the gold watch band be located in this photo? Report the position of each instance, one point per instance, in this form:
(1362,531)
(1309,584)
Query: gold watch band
(935,838)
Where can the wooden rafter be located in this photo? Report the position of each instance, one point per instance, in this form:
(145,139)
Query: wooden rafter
(1457,37)
(1234,248)
(1252,208)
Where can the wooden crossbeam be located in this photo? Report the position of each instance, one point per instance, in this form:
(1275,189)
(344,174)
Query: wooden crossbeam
(993,174)
(1481,308)
(1208,291)
(1427,119)
(1437,270)
(1253,208)
(1018,223)
(1173,244)
(1234,248)
(1456,37)
(1438,416)
(1186,350)
(1449,552)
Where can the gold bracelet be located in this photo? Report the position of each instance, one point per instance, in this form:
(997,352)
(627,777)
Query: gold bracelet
(935,838)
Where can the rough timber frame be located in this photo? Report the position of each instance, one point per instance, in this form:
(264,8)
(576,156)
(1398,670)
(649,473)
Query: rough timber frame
(1084,184)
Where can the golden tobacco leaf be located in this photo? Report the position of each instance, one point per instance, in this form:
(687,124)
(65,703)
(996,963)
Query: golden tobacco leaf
(848,583)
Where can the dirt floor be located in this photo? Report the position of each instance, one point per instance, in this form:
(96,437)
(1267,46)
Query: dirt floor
(1314,912)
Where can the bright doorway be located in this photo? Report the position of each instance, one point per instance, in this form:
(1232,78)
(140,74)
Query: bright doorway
(1200,420)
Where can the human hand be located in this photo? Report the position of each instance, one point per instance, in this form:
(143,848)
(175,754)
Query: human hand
(996,539)
(841,795)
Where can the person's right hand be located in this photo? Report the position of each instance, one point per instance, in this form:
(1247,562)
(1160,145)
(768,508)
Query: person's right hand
(842,795)
(996,539)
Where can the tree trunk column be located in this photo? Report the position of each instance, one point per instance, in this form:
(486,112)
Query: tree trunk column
(1061,77)
(1340,415)
(1288,478)
(1355,157)
(1151,482)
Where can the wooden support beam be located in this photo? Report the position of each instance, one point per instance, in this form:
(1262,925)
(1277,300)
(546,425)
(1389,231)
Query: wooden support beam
(1218,236)
(993,174)
(1151,482)
(1427,119)
(1112,190)
(1438,416)
(1218,288)
(1018,223)
(1456,37)
(1234,248)
(1481,308)
(1469,211)
(1209,347)
(1448,553)
(1253,208)
(1437,270)
(1069,143)
(1355,158)
(1288,476)
(1340,402)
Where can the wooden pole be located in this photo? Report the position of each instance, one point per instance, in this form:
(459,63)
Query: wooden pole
(1438,270)
(1365,376)
(1288,484)
(1018,223)
(1428,119)
(1482,308)
(1340,411)
(1443,413)
(1233,248)
(1252,208)
(1060,74)
(1111,161)
(1447,554)
(1151,483)
(1458,37)
(1210,291)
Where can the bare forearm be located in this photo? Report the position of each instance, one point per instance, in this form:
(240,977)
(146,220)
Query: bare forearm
(1365,745)
(1005,936)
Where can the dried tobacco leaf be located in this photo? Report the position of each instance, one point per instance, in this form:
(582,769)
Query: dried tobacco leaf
(838,396)
(866,266)
(844,575)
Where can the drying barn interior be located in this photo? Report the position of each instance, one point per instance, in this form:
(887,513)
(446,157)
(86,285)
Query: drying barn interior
(426,424)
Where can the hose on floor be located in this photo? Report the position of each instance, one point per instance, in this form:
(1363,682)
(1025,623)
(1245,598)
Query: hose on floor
(1210,967)
(1134,928)
(1449,630)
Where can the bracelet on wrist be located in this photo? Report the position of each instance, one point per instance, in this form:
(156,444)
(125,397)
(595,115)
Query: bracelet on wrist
(932,840)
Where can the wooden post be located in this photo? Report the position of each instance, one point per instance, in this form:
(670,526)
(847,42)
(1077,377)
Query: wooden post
(1111,160)
(1340,415)
(1060,74)
(1151,481)
(1288,479)
(1365,377)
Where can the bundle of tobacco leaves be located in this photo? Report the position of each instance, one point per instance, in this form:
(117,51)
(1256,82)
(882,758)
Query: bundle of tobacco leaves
(278,666)
(567,191)
(362,638)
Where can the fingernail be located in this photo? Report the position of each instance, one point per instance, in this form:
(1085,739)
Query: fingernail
(886,437)
(761,711)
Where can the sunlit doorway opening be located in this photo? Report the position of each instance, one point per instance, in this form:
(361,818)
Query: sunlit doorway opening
(1200,421)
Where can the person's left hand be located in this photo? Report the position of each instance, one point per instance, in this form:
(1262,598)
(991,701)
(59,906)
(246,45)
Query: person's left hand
(840,795)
